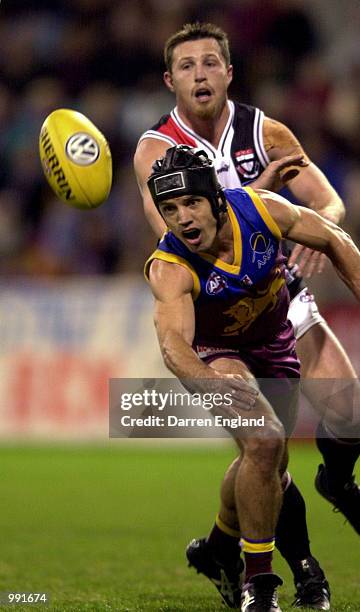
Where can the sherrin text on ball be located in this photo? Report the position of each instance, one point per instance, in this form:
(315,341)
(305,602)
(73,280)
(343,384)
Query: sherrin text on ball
(76,159)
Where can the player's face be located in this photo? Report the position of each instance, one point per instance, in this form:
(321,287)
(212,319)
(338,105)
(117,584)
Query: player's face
(199,78)
(191,219)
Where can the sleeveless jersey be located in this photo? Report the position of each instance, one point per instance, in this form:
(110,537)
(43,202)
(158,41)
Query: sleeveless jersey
(243,303)
(239,158)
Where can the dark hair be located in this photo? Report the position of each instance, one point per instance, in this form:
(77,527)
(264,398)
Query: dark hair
(196,31)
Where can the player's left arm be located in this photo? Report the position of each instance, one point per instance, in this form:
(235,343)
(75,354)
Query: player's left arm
(307,228)
(309,186)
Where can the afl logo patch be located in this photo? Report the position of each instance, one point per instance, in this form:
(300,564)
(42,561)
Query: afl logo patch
(82,149)
(215,284)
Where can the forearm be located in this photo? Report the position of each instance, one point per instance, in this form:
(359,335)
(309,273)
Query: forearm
(332,210)
(194,374)
(312,189)
(197,377)
(180,358)
(345,257)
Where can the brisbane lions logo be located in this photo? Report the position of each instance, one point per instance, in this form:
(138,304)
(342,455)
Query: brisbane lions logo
(246,310)
(215,283)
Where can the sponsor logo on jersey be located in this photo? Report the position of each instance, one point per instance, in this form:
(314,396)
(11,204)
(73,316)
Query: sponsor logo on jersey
(207,351)
(246,163)
(262,249)
(215,284)
(224,167)
(246,281)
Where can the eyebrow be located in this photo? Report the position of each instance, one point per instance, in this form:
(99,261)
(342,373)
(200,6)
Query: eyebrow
(205,56)
(166,203)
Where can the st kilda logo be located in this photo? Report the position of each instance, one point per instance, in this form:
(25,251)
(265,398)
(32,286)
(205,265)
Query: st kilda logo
(82,149)
(246,164)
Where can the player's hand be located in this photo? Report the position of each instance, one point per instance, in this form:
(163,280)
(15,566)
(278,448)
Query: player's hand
(306,261)
(242,392)
(279,172)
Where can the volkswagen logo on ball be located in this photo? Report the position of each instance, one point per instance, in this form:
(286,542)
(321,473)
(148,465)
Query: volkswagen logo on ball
(82,149)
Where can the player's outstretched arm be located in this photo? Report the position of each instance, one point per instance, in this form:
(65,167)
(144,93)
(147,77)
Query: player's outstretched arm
(174,319)
(307,228)
(147,152)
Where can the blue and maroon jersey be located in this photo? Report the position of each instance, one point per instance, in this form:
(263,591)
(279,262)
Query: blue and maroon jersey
(239,158)
(245,302)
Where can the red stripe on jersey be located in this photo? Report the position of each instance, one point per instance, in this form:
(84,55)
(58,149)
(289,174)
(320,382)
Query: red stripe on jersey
(170,128)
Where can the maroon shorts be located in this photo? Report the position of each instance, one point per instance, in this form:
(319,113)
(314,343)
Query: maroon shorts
(275,366)
(276,358)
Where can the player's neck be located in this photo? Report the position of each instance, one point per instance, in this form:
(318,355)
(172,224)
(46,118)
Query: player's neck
(223,246)
(209,128)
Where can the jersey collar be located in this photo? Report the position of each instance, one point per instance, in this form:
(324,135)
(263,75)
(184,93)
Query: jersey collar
(203,142)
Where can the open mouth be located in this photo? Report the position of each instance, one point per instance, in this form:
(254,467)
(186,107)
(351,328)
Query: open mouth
(192,235)
(203,94)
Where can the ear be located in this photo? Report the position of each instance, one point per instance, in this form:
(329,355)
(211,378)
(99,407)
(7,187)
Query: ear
(221,201)
(168,80)
(229,73)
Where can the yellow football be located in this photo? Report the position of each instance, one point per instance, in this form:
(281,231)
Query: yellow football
(76,159)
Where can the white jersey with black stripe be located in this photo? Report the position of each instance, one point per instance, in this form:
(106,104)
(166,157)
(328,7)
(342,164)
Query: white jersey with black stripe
(240,156)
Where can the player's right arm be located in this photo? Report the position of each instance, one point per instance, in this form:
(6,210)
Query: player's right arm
(147,152)
(174,318)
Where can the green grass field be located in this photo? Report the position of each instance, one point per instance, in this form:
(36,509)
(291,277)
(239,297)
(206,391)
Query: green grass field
(104,528)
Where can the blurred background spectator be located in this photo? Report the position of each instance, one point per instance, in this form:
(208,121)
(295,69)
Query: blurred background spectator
(298,60)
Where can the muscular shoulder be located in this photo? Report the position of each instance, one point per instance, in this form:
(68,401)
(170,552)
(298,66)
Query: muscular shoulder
(169,281)
(148,150)
(279,140)
(281,210)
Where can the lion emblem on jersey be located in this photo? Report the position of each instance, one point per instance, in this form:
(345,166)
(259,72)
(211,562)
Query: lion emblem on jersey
(247,310)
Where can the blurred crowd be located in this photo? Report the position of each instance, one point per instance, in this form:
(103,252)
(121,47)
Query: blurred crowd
(297,60)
